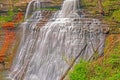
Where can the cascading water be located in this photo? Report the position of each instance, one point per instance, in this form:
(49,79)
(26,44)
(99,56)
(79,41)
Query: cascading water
(49,53)
(28,41)
(29,10)
(69,7)
(27,44)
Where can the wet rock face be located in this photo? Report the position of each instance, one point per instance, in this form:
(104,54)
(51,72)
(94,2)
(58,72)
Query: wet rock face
(57,44)
(47,54)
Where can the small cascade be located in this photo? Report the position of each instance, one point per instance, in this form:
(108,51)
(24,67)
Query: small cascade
(69,7)
(27,44)
(35,5)
(49,48)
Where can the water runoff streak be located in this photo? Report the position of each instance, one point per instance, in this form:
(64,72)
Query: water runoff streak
(48,53)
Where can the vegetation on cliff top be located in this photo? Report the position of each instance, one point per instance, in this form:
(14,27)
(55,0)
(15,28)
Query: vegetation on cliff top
(110,10)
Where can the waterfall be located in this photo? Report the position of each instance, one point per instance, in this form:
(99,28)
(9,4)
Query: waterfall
(48,53)
(69,7)
(35,4)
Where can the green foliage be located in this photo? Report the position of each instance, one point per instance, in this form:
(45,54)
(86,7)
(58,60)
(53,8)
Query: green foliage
(111,12)
(99,74)
(108,70)
(112,9)
(116,15)
(7,17)
(109,8)
(110,67)
(50,8)
(80,71)
(115,77)
(89,4)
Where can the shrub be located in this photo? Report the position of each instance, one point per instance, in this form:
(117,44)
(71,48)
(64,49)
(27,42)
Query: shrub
(79,72)
(116,15)
(115,77)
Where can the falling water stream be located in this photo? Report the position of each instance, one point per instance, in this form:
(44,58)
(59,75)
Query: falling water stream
(47,53)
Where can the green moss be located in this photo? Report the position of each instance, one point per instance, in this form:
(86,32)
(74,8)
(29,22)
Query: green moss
(108,70)
(116,16)
(115,77)
(7,17)
(80,71)
(50,8)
